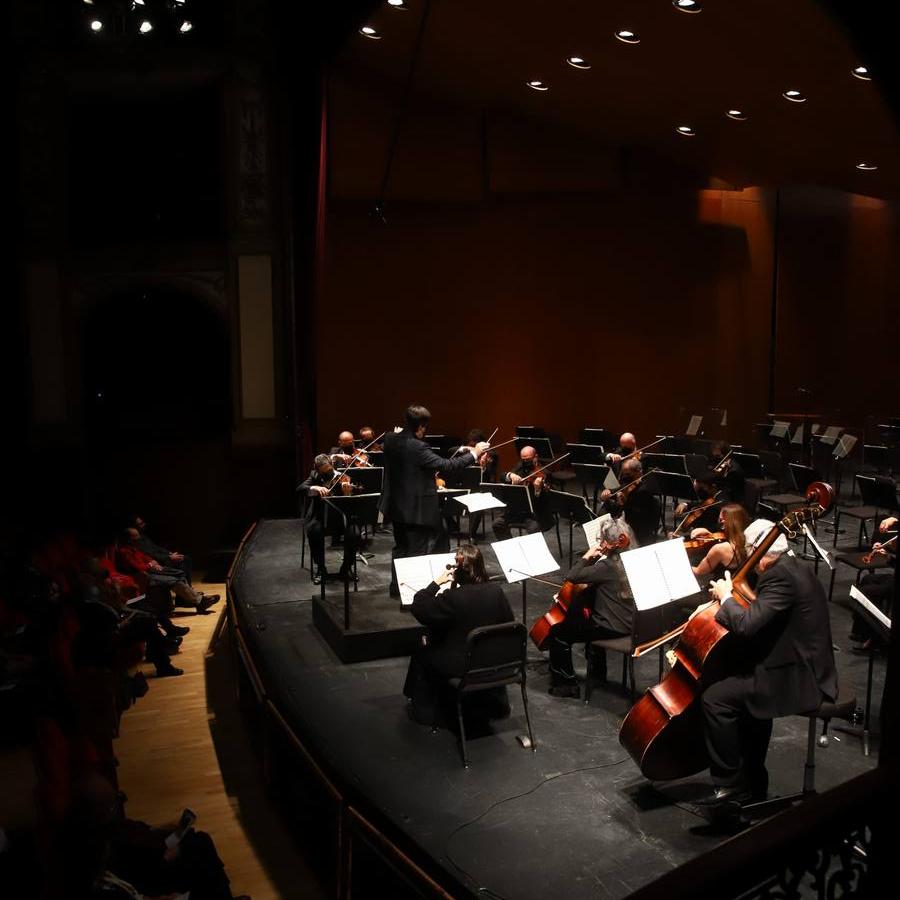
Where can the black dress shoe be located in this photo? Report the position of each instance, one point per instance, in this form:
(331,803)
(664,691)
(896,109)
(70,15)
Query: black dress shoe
(724,803)
(205,603)
(167,670)
(320,575)
(179,630)
(565,690)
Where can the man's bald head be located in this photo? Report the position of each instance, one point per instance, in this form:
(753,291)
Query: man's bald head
(631,469)
(528,454)
(628,442)
(345,440)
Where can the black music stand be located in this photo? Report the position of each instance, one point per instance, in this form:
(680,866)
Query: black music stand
(573,508)
(376,458)
(586,453)
(358,510)
(517,498)
(530,432)
(369,478)
(541,444)
(591,473)
(674,485)
(602,437)
(665,462)
(468,478)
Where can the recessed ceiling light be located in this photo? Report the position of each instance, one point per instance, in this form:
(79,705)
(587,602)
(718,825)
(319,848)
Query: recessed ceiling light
(96,25)
(688,6)
(185,26)
(578,62)
(369,32)
(861,72)
(146,27)
(866,166)
(685,130)
(537,85)
(397,4)
(794,96)
(737,114)
(627,37)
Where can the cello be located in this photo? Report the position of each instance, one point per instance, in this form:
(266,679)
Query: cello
(663,732)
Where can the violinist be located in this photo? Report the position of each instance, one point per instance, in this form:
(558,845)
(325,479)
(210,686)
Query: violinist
(367,439)
(488,463)
(728,555)
(640,507)
(784,665)
(707,514)
(345,449)
(627,446)
(320,518)
(449,615)
(540,498)
(605,609)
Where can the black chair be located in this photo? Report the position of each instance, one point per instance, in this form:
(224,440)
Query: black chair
(496,656)
(855,561)
(879,498)
(802,477)
(751,463)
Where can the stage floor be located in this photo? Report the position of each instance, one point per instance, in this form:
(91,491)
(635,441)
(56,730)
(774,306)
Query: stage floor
(576,818)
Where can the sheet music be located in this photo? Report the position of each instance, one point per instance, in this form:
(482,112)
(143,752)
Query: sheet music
(611,483)
(846,443)
(779,429)
(137,599)
(694,426)
(592,529)
(417,572)
(523,556)
(659,573)
(479,502)
(798,435)
(817,546)
(830,435)
(868,605)
(724,421)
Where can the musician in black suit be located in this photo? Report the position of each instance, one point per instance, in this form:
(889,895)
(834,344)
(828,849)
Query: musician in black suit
(322,519)
(705,505)
(409,498)
(639,505)
(785,666)
(730,479)
(627,446)
(471,601)
(605,609)
(542,520)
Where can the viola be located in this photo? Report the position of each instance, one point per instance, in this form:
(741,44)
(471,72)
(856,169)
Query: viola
(663,731)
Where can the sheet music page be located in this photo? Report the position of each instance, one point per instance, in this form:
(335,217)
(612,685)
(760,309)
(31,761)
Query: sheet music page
(479,502)
(592,528)
(798,435)
(779,429)
(523,556)
(611,483)
(694,426)
(659,573)
(844,445)
(417,572)
(724,421)
(865,602)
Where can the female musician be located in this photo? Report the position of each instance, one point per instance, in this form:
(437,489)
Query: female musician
(604,610)
(730,554)
(449,616)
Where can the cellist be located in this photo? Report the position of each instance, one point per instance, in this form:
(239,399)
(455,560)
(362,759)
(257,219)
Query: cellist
(785,666)
(605,609)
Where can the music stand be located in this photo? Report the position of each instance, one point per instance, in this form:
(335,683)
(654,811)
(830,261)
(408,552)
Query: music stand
(842,450)
(468,478)
(573,508)
(590,473)
(586,453)
(598,436)
(750,463)
(665,462)
(376,458)
(541,444)
(517,498)
(530,432)
(674,485)
(359,510)
(369,478)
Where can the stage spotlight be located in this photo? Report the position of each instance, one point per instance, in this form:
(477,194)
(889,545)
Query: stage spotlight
(685,130)
(688,6)
(145,27)
(185,26)
(794,96)
(737,114)
(862,73)
(369,32)
(578,62)
(397,4)
(866,167)
(627,37)
(537,85)
(96,25)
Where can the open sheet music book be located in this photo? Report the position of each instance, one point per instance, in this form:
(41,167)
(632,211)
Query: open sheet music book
(524,556)
(417,572)
(868,605)
(659,573)
(592,529)
(480,501)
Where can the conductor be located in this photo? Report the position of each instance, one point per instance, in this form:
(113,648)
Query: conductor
(409,498)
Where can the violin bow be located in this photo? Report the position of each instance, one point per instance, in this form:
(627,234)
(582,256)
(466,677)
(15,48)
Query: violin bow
(691,511)
(546,466)
(642,449)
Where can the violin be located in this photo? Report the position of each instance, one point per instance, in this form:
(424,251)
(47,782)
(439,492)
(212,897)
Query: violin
(536,477)
(695,514)
(567,594)
(620,495)
(724,464)
(869,557)
(663,731)
(705,541)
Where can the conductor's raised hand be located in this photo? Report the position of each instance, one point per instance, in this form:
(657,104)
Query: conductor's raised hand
(481,447)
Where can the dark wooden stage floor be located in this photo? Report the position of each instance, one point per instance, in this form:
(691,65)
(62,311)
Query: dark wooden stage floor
(574,819)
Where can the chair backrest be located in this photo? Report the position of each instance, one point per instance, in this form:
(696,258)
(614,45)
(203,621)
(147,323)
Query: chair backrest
(772,463)
(803,476)
(750,463)
(878,490)
(496,652)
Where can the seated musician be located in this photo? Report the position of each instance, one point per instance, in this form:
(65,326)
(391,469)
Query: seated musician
(343,451)
(321,518)
(707,513)
(542,519)
(471,601)
(728,555)
(877,586)
(639,505)
(367,439)
(627,446)
(488,463)
(784,666)
(730,478)
(605,609)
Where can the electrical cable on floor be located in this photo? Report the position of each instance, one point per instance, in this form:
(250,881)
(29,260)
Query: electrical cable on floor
(487,891)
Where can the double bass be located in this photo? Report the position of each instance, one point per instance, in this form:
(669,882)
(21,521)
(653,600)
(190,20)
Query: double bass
(663,732)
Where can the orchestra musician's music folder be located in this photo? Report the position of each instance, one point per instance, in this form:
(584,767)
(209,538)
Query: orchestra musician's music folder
(659,573)
(417,572)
